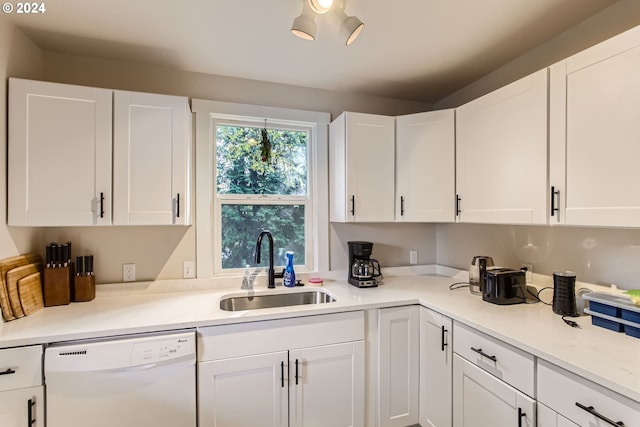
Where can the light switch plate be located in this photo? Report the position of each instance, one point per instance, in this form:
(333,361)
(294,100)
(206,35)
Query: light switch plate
(413,257)
(128,272)
(189,270)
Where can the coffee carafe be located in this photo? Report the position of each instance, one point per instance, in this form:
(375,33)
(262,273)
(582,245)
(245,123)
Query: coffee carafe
(364,271)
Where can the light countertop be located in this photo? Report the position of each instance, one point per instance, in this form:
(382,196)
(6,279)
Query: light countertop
(605,357)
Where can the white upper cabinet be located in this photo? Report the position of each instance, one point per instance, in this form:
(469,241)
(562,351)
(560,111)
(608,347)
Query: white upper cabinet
(151,151)
(425,167)
(68,144)
(595,134)
(59,154)
(501,154)
(362,176)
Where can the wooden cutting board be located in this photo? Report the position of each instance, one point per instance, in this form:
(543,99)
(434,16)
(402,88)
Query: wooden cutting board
(11,282)
(6,265)
(30,292)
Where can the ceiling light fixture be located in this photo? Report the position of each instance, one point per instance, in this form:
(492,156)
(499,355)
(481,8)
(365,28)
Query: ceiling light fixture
(304,26)
(320,6)
(350,27)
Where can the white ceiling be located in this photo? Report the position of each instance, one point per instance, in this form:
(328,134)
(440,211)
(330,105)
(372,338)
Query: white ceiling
(418,50)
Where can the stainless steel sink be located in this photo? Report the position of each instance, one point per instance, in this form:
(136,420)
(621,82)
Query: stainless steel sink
(241,303)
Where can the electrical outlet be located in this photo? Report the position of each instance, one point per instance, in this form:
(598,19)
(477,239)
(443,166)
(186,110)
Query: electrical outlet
(413,257)
(189,270)
(128,272)
(529,274)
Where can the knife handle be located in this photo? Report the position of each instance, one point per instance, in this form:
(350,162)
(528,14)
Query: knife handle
(88,265)
(47,256)
(65,255)
(79,266)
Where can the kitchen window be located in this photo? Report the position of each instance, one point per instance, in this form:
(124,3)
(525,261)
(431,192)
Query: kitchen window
(257,169)
(262,183)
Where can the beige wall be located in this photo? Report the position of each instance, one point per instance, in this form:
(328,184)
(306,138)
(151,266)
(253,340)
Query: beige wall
(19,57)
(621,16)
(391,243)
(597,255)
(148,78)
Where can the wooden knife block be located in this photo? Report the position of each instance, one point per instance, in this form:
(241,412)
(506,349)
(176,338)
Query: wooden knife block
(84,288)
(56,288)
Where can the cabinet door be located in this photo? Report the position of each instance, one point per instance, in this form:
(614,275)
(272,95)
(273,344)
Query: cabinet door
(244,391)
(152,136)
(327,386)
(501,154)
(480,399)
(435,369)
(370,166)
(22,407)
(398,358)
(549,418)
(425,167)
(595,99)
(59,154)
(362,178)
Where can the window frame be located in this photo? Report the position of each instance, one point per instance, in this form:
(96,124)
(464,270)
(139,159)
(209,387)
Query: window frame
(208,202)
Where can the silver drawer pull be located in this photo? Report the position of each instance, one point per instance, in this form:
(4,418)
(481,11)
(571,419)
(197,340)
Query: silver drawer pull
(482,353)
(8,371)
(592,411)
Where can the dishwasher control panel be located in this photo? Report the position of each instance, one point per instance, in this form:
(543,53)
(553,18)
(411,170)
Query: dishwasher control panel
(120,352)
(162,349)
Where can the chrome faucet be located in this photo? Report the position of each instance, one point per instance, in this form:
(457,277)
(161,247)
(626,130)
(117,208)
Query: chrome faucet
(271,271)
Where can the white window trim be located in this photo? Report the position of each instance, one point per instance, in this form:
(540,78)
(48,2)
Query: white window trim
(206,112)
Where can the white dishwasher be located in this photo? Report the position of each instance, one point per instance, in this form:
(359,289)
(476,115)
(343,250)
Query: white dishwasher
(141,381)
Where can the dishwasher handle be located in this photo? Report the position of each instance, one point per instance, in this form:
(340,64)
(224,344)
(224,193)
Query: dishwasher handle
(188,359)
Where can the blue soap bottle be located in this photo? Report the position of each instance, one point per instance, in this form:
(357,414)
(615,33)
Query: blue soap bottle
(289,274)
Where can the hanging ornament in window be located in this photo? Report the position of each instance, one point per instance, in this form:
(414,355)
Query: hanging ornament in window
(266,144)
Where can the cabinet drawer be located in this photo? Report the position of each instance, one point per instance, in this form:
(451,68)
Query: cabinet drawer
(512,365)
(20,367)
(562,391)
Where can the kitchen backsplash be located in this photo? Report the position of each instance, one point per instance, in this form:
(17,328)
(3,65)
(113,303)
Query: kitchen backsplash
(597,255)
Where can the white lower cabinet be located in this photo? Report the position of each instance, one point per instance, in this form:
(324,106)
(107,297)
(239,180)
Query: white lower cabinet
(326,385)
(581,401)
(21,390)
(23,407)
(436,364)
(481,399)
(547,417)
(270,373)
(398,366)
(493,382)
(228,388)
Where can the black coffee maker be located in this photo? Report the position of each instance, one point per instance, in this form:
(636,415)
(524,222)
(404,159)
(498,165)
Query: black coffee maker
(364,271)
